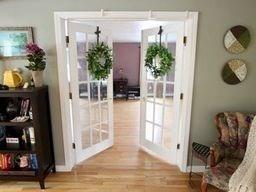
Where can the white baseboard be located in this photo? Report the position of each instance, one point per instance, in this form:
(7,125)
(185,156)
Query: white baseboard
(62,168)
(196,169)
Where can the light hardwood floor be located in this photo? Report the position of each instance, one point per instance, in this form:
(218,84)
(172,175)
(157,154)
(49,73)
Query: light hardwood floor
(122,168)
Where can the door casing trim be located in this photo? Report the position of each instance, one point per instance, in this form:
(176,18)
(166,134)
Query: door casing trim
(191,24)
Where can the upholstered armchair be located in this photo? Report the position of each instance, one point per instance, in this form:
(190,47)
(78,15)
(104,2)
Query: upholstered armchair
(228,152)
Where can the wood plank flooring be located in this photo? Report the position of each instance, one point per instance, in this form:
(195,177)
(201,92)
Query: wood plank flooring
(122,168)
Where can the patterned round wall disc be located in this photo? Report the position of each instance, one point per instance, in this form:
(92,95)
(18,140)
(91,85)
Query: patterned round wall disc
(234,71)
(237,39)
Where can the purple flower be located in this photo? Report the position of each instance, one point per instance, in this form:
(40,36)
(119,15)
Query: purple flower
(33,49)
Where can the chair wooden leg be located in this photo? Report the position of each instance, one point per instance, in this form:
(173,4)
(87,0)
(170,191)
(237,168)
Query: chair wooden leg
(203,185)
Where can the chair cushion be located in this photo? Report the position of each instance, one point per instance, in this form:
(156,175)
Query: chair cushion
(219,175)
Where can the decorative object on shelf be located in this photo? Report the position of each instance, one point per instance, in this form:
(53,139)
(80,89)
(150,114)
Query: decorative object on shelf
(37,64)
(13,41)
(26,85)
(3,87)
(3,117)
(12,109)
(13,142)
(100,59)
(24,161)
(158,60)
(24,107)
(121,72)
(20,119)
(237,39)
(12,79)
(32,135)
(2,133)
(234,71)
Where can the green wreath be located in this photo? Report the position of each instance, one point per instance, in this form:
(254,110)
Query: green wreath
(98,68)
(166,60)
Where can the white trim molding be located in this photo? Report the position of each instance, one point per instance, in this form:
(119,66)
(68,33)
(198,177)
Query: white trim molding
(196,169)
(190,20)
(62,168)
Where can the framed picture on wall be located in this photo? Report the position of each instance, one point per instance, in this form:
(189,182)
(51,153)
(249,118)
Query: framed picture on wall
(13,41)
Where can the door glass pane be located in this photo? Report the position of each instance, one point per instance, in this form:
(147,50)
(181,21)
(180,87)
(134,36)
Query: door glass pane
(95,111)
(81,44)
(104,112)
(168,125)
(94,92)
(159,92)
(149,131)
(85,137)
(92,39)
(149,111)
(171,44)
(82,69)
(150,90)
(83,94)
(159,114)
(103,90)
(84,117)
(169,94)
(171,75)
(81,59)
(158,135)
(104,131)
(96,134)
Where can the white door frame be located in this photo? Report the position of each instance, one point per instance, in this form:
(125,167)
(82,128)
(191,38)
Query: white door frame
(190,20)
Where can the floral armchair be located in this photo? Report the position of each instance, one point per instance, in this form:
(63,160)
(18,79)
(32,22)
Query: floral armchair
(228,152)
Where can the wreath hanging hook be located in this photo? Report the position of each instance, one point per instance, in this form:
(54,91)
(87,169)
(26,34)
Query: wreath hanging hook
(97,32)
(160,35)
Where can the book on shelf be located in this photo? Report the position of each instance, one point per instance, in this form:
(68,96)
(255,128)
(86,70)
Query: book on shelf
(18,162)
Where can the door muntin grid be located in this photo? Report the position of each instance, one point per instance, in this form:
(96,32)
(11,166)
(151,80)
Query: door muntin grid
(159,99)
(93,97)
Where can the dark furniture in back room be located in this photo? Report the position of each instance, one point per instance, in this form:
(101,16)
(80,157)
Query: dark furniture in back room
(120,88)
(133,92)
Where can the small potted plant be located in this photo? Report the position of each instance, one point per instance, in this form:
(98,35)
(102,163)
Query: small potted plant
(36,58)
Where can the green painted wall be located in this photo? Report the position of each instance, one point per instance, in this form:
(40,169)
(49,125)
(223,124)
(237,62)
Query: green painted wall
(211,94)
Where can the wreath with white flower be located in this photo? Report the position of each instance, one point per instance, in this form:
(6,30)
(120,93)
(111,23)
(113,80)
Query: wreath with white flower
(100,61)
(165,60)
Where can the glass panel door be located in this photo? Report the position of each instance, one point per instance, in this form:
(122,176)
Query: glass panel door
(92,99)
(160,97)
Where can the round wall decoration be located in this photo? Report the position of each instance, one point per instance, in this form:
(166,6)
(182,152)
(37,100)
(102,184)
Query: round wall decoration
(237,39)
(234,71)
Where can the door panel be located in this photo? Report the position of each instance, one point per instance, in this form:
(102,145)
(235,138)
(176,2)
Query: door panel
(91,98)
(160,97)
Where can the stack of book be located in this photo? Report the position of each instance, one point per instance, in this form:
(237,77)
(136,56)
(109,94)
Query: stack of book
(18,162)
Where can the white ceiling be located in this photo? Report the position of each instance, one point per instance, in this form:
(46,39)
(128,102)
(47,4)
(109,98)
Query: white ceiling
(127,31)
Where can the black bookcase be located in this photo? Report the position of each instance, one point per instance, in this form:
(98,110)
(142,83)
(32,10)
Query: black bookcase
(43,147)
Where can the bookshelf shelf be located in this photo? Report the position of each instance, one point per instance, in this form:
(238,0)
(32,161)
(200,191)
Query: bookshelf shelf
(22,150)
(18,172)
(17,124)
(42,151)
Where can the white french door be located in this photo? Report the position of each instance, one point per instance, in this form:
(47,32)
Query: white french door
(92,103)
(160,98)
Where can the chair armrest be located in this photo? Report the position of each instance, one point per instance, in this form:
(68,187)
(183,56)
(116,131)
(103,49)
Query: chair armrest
(217,153)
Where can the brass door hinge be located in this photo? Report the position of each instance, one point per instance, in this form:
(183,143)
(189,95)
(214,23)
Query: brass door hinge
(67,41)
(181,96)
(185,40)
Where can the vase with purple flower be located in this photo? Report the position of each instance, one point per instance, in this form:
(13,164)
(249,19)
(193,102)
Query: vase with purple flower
(37,64)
